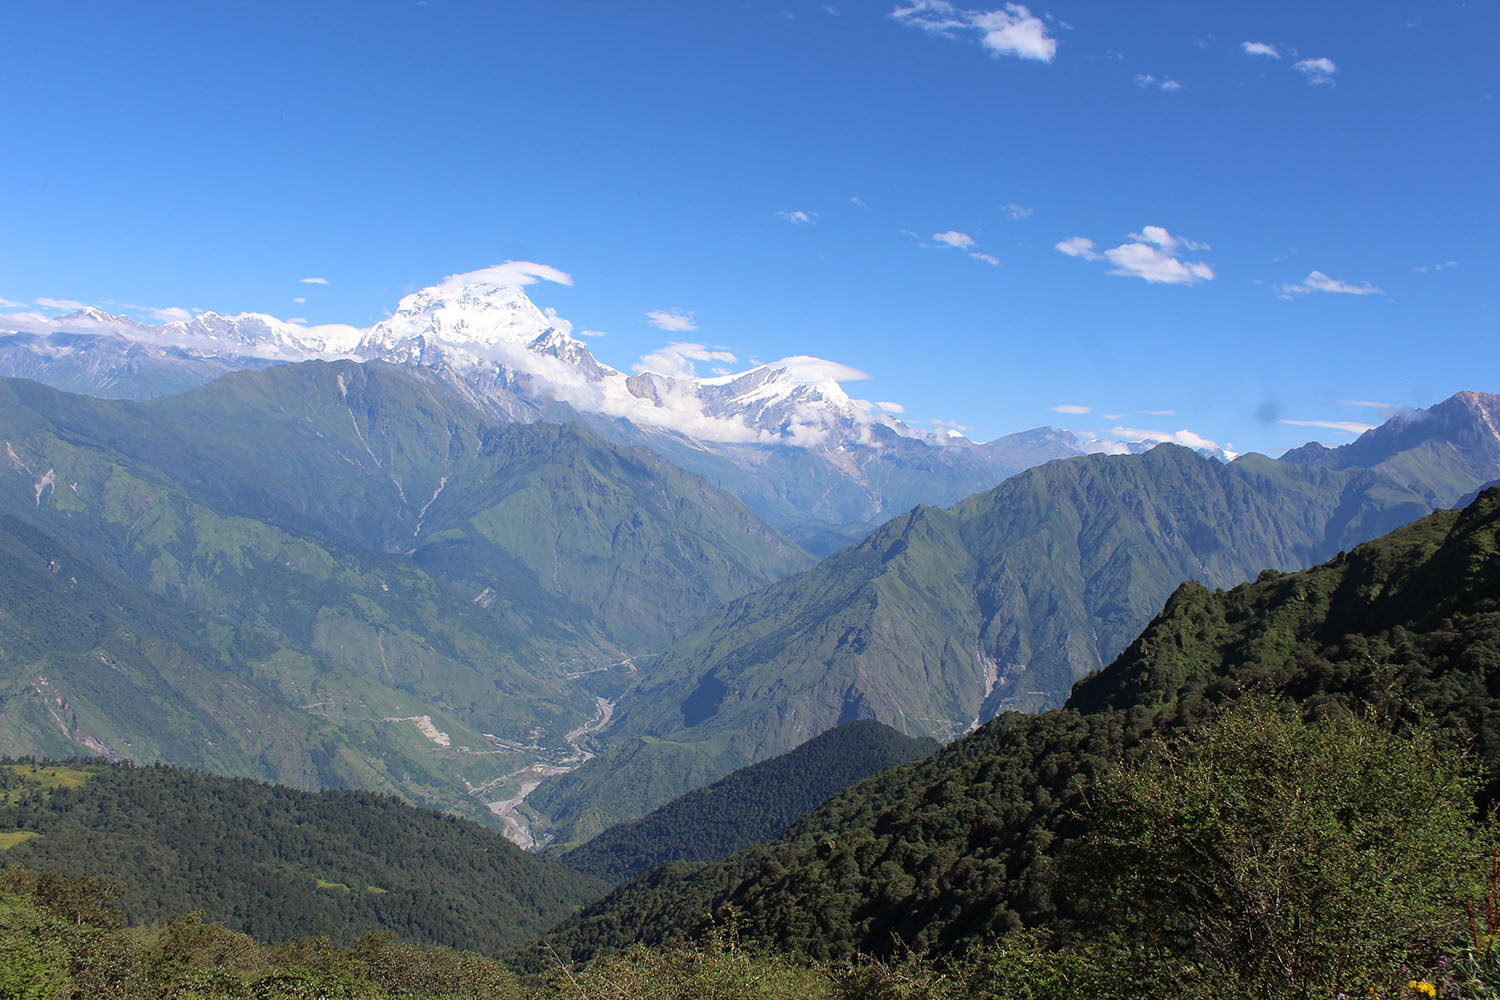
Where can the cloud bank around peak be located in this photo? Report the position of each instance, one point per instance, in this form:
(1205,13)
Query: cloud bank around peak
(511,274)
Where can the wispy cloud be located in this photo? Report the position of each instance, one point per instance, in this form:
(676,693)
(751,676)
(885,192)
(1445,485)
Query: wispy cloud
(175,314)
(1153,255)
(673,320)
(1148,82)
(1071,408)
(590,334)
(1009,31)
(799,217)
(1260,49)
(987,258)
(1318,70)
(1368,403)
(511,274)
(8,304)
(1160,413)
(891,407)
(314,281)
(1317,281)
(678,359)
(1445,266)
(1014,211)
(300,299)
(67,304)
(1347,426)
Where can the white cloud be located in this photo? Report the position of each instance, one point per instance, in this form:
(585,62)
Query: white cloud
(1368,403)
(1011,31)
(298,320)
(1347,426)
(954,238)
(1160,413)
(589,334)
(1155,256)
(989,259)
(174,314)
(1015,211)
(1445,266)
(673,320)
(67,304)
(891,407)
(806,368)
(1146,81)
(799,217)
(300,299)
(1078,246)
(1318,70)
(1071,408)
(1260,49)
(511,274)
(1317,281)
(8,304)
(314,281)
(857,201)
(677,359)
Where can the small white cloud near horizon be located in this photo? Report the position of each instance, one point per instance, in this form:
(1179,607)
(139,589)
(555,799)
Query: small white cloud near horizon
(677,359)
(954,238)
(1317,71)
(1010,31)
(891,407)
(1445,266)
(176,314)
(1184,437)
(1317,281)
(68,304)
(1347,426)
(1159,413)
(1073,408)
(1260,49)
(8,304)
(673,320)
(799,217)
(589,334)
(298,320)
(1154,256)
(1368,403)
(313,281)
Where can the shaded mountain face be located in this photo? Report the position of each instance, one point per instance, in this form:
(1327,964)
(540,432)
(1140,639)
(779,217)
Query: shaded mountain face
(942,618)
(752,804)
(417,600)
(783,437)
(975,840)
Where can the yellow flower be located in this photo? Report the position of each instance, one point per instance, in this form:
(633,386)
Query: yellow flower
(1423,987)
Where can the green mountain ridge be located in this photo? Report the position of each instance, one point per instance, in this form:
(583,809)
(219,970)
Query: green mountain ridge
(975,840)
(941,618)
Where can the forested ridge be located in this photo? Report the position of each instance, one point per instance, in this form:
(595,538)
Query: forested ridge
(280,863)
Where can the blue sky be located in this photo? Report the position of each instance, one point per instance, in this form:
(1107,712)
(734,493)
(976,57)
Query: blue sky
(1244,217)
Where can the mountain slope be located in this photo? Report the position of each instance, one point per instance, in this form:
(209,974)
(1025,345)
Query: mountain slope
(975,839)
(279,863)
(943,617)
(754,803)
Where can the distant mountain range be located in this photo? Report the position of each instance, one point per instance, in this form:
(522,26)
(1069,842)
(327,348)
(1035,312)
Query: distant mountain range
(783,437)
(943,617)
